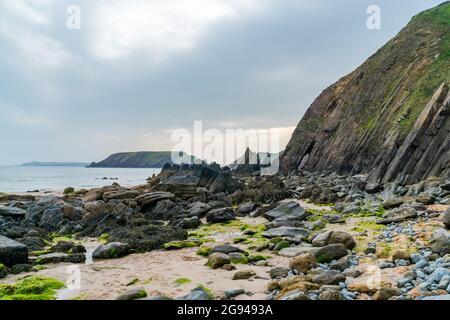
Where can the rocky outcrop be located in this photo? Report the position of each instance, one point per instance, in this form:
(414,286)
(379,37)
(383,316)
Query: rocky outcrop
(188,181)
(390,118)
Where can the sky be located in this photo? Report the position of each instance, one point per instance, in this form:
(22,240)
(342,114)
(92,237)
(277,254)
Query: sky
(135,71)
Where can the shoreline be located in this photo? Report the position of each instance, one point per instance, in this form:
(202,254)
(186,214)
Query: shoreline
(285,238)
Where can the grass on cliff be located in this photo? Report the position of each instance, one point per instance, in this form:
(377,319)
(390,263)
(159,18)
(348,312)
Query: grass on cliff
(31,288)
(426,38)
(438,72)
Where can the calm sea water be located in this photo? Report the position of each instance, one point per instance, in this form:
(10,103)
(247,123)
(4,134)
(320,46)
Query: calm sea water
(22,179)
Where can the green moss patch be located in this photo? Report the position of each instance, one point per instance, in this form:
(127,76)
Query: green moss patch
(204,251)
(177,245)
(181,281)
(31,288)
(362,226)
(239,258)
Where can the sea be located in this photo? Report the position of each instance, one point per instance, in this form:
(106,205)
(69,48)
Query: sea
(42,179)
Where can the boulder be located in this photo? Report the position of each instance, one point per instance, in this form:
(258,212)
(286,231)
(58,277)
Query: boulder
(226,249)
(60,258)
(303,263)
(440,242)
(186,181)
(52,218)
(187,223)
(386,293)
(71,213)
(198,209)
(373,188)
(278,272)
(246,208)
(12,212)
(328,277)
(150,198)
(243,274)
(331,295)
(120,194)
(290,209)
(400,255)
(446,218)
(334,237)
(341,265)
(425,198)
(331,252)
(68,247)
(295,251)
(3,271)
(133,294)
(398,215)
(12,252)
(238,258)
(293,233)
(220,215)
(392,203)
(111,250)
(231,293)
(96,210)
(217,260)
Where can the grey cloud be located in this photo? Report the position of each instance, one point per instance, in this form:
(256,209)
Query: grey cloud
(262,70)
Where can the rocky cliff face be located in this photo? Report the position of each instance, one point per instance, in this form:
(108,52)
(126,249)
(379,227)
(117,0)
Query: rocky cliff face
(390,118)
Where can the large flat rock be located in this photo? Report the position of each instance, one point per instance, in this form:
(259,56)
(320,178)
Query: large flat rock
(12,252)
(296,251)
(12,212)
(290,209)
(286,232)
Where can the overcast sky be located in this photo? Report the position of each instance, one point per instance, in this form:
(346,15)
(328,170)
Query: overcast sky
(138,69)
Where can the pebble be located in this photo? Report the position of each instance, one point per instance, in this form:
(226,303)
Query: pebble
(401,263)
(415,257)
(438,274)
(231,293)
(403,282)
(424,286)
(385,265)
(422,264)
(348,295)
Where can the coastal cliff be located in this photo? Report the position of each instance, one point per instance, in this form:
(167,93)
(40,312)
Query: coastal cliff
(390,117)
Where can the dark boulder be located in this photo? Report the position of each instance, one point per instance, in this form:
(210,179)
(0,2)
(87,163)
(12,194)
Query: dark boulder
(12,212)
(372,188)
(12,252)
(246,208)
(226,248)
(111,250)
(292,233)
(334,237)
(290,209)
(151,198)
(60,258)
(187,223)
(331,252)
(68,247)
(198,209)
(220,215)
